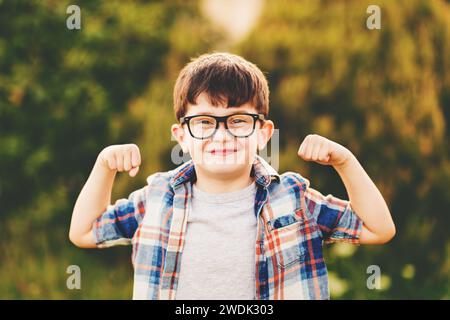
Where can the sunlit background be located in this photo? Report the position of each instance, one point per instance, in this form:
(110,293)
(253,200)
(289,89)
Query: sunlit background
(67,94)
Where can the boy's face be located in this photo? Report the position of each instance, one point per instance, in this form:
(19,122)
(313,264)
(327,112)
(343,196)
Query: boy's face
(222,154)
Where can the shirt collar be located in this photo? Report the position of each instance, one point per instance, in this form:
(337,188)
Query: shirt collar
(263,172)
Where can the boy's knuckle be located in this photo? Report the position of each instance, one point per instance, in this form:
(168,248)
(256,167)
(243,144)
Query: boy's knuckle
(130,147)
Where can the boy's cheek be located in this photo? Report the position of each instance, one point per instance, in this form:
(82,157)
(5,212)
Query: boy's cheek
(260,141)
(196,151)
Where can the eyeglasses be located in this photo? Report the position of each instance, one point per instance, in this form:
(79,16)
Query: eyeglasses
(240,125)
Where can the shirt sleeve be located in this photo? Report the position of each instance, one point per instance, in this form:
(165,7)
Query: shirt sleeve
(335,217)
(117,225)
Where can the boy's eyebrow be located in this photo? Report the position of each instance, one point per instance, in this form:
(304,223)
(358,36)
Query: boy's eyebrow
(208,113)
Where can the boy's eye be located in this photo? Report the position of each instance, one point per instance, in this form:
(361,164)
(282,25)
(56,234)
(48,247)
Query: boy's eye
(203,121)
(207,122)
(240,120)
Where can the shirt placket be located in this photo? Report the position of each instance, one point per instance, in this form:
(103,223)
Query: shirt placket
(175,242)
(261,275)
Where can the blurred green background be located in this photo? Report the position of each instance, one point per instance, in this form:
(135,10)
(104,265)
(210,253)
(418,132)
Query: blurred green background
(67,94)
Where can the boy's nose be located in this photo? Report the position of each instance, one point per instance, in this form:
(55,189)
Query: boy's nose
(222,133)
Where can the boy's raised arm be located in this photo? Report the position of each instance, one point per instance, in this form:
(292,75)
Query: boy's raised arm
(96,193)
(365,198)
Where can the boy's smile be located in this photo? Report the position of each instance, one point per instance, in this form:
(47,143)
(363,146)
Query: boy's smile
(222,152)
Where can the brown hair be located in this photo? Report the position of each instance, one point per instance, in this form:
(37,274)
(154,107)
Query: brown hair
(225,78)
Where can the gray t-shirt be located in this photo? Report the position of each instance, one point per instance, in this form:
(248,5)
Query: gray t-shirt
(218,260)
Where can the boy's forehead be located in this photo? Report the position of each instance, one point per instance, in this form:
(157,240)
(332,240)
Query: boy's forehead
(203,106)
(218,111)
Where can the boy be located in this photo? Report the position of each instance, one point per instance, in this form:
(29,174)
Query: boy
(226,225)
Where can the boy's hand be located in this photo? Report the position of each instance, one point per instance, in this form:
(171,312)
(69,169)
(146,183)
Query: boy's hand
(324,151)
(122,157)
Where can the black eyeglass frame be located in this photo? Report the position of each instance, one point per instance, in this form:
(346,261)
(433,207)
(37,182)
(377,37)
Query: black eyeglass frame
(256,117)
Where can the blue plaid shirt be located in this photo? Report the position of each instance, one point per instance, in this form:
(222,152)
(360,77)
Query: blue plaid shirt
(293,222)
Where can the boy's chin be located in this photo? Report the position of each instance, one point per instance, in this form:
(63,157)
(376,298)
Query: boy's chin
(222,169)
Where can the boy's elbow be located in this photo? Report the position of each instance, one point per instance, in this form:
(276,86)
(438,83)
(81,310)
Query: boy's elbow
(388,235)
(392,232)
(78,240)
(74,239)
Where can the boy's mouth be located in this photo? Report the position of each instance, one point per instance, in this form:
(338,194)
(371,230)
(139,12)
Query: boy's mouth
(222,152)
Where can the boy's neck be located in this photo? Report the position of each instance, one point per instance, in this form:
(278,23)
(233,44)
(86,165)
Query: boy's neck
(220,184)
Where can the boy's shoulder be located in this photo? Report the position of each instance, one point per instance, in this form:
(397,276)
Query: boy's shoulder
(171,178)
(286,196)
(159,179)
(291,179)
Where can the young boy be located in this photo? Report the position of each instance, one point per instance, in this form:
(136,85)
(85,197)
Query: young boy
(226,225)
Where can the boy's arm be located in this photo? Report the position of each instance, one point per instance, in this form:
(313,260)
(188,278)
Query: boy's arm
(367,201)
(365,198)
(95,196)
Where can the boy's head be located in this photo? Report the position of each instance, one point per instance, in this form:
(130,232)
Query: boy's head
(220,85)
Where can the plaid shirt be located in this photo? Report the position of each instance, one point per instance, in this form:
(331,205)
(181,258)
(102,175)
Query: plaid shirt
(293,221)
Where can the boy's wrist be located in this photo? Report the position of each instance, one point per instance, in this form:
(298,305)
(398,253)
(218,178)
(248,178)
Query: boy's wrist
(103,168)
(350,161)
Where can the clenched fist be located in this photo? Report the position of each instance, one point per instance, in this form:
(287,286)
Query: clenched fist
(323,151)
(122,157)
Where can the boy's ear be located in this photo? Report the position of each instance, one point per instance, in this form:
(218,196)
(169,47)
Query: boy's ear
(178,133)
(265,133)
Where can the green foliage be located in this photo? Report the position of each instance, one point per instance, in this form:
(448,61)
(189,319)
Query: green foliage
(65,95)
